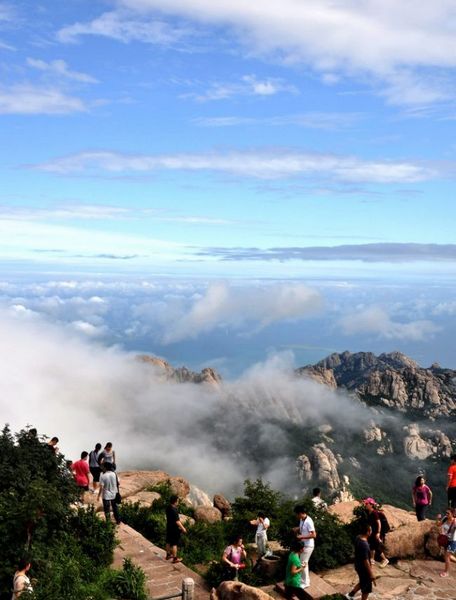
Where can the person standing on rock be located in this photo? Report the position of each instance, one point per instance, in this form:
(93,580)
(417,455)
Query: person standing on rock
(375,540)
(261,536)
(363,565)
(80,470)
(94,466)
(293,580)
(422,497)
(451,483)
(107,456)
(174,529)
(108,491)
(306,535)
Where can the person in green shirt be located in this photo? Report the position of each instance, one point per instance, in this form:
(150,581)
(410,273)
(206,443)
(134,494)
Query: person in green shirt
(293,574)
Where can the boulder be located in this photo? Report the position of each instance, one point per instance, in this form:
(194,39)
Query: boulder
(431,545)
(207,514)
(235,590)
(223,505)
(408,541)
(397,517)
(186,520)
(145,499)
(179,486)
(197,497)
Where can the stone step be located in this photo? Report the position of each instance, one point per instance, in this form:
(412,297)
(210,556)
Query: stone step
(317,589)
(163,577)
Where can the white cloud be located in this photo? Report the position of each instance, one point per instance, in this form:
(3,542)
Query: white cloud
(123,27)
(375,320)
(66,212)
(27,99)
(223,305)
(249,85)
(312,120)
(60,67)
(261,165)
(378,38)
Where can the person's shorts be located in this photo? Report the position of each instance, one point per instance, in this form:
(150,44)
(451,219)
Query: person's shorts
(364,581)
(95,472)
(452,547)
(374,543)
(173,538)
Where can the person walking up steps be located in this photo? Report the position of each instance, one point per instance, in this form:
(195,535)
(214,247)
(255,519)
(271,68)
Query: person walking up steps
(363,566)
(108,491)
(376,538)
(94,466)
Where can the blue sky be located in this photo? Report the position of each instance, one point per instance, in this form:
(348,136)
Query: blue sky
(304,141)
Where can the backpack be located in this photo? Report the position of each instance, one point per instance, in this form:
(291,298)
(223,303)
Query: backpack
(384,525)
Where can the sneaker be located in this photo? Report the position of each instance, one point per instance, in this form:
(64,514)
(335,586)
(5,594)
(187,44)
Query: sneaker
(383,564)
(443,574)
(349,597)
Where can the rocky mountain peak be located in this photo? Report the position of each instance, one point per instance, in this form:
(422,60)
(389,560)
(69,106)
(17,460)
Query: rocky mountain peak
(180,374)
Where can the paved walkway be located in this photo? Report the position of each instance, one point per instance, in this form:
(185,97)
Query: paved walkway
(162,576)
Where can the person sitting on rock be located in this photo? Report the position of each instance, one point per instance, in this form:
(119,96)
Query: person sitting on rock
(261,537)
(234,555)
(422,497)
(376,542)
(363,565)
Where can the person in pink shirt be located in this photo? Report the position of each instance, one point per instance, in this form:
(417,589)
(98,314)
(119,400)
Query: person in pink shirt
(81,471)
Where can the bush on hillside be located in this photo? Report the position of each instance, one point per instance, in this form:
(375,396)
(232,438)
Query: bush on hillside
(69,548)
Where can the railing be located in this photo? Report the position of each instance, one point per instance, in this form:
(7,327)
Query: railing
(187,592)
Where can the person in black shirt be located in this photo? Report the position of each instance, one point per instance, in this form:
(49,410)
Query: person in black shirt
(174,529)
(363,565)
(376,540)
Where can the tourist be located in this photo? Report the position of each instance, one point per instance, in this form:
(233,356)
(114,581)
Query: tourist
(52,445)
(448,528)
(107,456)
(108,490)
(234,555)
(81,471)
(174,529)
(451,483)
(422,497)
(363,565)
(376,540)
(94,466)
(21,582)
(306,534)
(293,578)
(261,537)
(318,500)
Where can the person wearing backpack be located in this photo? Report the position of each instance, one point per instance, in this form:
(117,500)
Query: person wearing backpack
(380,527)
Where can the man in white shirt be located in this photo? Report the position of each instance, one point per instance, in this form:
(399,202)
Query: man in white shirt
(261,537)
(306,534)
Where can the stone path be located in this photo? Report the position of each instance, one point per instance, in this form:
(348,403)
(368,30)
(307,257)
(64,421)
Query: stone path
(162,576)
(407,580)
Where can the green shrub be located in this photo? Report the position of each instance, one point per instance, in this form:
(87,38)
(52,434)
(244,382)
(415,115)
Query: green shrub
(128,583)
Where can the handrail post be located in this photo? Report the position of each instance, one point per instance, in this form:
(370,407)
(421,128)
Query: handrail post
(188,589)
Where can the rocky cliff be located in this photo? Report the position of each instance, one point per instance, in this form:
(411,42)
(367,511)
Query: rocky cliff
(391,380)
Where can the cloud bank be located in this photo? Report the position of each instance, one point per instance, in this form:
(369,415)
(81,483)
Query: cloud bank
(85,393)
